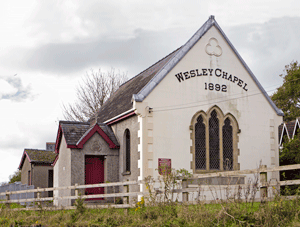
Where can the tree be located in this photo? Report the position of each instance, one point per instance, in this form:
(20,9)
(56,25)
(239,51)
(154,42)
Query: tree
(16,176)
(287,96)
(95,89)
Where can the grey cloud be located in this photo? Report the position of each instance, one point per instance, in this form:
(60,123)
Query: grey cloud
(268,47)
(137,53)
(13,143)
(263,46)
(17,143)
(22,93)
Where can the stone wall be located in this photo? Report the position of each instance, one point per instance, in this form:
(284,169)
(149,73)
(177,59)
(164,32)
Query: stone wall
(62,174)
(40,177)
(24,172)
(119,130)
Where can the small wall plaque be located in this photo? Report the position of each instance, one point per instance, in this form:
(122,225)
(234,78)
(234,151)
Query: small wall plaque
(164,166)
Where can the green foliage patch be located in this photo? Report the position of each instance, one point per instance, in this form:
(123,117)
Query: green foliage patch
(287,96)
(279,212)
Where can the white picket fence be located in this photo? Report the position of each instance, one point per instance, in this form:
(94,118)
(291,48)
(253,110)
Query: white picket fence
(263,185)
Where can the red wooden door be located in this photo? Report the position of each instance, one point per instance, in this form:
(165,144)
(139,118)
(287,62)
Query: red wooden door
(94,174)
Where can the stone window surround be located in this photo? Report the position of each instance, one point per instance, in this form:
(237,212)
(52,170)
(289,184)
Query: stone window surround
(235,131)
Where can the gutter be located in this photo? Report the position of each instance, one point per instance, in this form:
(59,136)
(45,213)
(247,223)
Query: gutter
(119,117)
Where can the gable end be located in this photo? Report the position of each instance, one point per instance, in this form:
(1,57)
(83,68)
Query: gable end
(145,91)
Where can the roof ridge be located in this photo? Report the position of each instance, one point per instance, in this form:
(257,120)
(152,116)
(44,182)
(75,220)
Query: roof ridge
(74,122)
(35,149)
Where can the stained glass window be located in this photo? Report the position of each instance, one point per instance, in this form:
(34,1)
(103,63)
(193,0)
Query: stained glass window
(200,146)
(127,150)
(214,140)
(227,146)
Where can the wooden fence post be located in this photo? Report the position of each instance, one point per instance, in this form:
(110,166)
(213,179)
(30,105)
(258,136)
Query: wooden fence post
(7,197)
(263,181)
(38,197)
(76,190)
(126,198)
(185,195)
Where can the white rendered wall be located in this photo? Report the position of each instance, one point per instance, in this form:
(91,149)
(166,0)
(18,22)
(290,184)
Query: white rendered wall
(257,120)
(62,174)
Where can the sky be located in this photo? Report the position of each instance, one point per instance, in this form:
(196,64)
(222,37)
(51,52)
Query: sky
(46,47)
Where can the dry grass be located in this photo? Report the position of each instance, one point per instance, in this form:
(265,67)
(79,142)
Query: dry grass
(160,210)
(279,212)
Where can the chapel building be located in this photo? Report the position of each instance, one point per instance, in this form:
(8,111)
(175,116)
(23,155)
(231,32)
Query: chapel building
(199,108)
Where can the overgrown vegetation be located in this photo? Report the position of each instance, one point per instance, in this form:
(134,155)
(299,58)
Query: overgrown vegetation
(287,96)
(161,208)
(16,176)
(279,212)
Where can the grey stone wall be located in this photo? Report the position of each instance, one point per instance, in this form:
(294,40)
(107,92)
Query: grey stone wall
(119,130)
(62,174)
(40,177)
(96,145)
(24,172)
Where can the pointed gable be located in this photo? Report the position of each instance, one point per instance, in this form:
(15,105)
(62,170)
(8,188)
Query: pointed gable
(296,128)
(283,131)
(290,128)
(77,133)
(178,56)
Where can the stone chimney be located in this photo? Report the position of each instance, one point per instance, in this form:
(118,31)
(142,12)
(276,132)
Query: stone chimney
(50,146)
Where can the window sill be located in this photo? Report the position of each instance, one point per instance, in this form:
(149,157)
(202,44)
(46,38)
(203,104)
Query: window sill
(126,173)
(211,171)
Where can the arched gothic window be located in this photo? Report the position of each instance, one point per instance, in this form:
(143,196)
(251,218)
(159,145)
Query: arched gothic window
(200,155)
(127,150)
(227,145)
(214,141)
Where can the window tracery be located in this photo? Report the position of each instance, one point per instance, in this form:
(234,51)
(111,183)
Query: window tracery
(215,140)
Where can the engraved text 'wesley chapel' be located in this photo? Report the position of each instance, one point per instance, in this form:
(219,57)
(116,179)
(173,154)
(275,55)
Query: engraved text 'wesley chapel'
(211,72)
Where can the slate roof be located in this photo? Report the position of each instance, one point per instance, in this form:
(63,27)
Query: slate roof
(139,87)
(120,101)
(74,131)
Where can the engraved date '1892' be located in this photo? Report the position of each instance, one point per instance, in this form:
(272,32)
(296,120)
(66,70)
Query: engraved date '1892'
(216,87)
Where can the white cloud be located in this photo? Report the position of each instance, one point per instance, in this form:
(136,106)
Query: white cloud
(13,89)
(6,89)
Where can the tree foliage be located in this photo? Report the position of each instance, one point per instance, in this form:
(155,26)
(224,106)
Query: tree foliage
(15,177)
(95,88)
(287,96)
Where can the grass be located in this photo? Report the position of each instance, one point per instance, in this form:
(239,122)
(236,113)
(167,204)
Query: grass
(279,212)
(160,211)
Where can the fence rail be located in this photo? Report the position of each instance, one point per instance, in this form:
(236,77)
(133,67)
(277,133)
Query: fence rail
(262,185)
